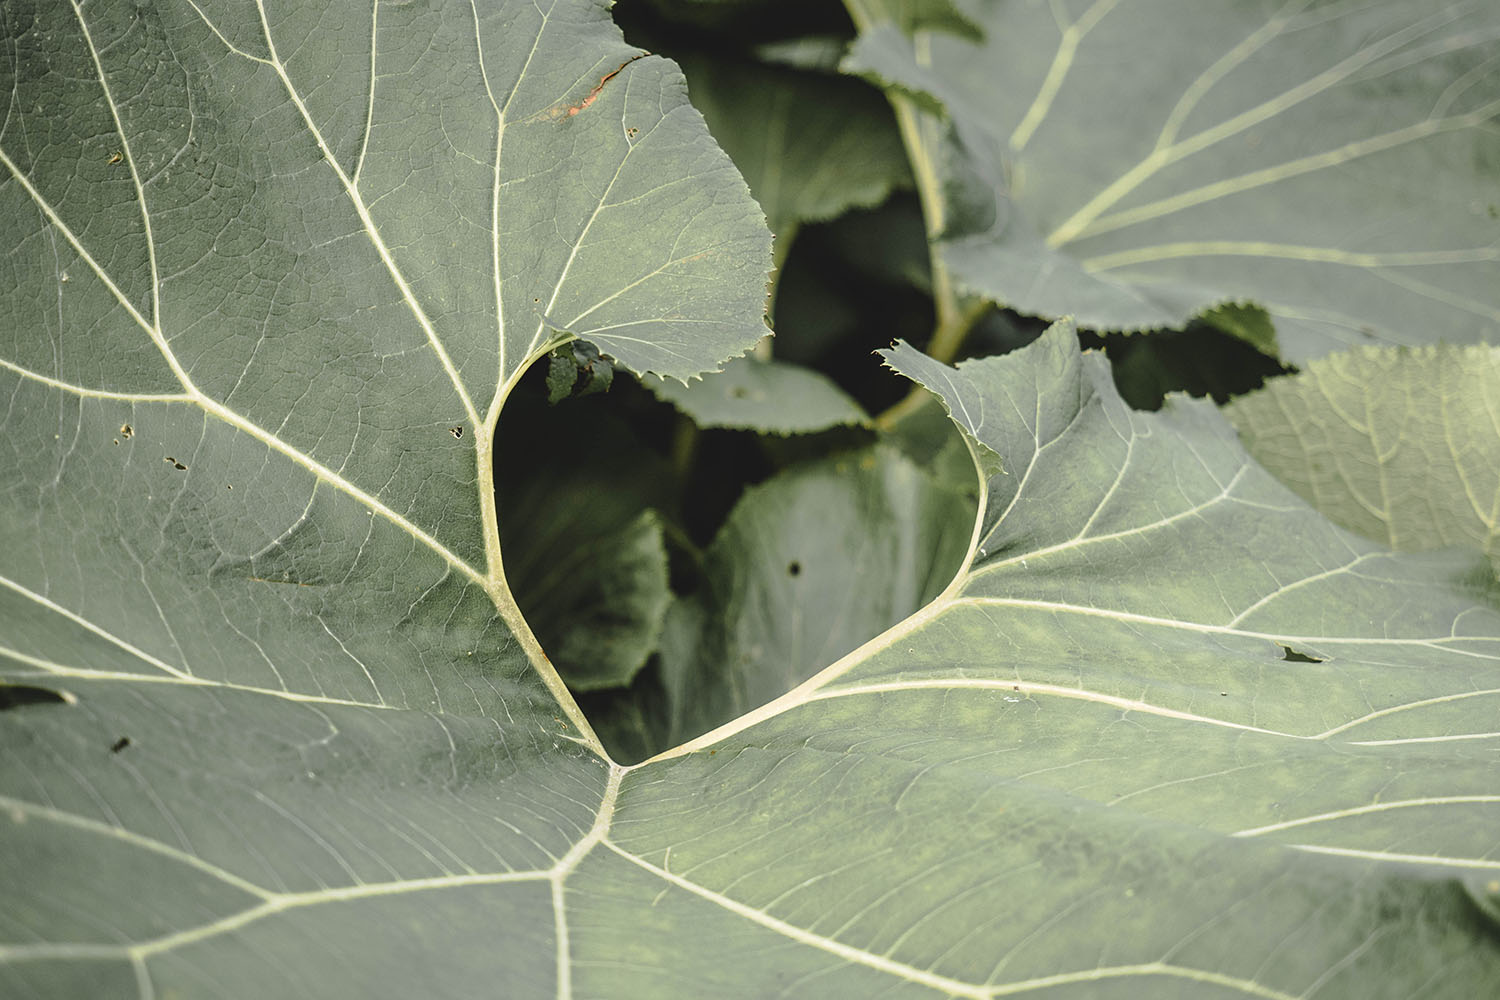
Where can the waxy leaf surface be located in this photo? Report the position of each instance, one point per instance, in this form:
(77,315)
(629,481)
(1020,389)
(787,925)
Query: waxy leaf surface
(1136,162)
(1402,446)
(271,724)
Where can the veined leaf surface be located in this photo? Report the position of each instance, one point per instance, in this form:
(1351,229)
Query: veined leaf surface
(1402,446)
(270,723)
(270,273)
(1136,162)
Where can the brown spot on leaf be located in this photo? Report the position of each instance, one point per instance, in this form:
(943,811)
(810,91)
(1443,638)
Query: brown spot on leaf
(593,95)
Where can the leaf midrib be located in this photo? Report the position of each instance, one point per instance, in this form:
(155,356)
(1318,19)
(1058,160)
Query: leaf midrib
(491,581)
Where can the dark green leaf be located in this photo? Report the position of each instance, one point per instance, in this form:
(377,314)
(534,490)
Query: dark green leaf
(811,145)
(582,535)
(808,566)
(600,601)
(576,369)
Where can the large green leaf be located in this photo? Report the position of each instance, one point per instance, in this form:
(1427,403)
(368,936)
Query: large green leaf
(1169,734)
(270,272)
(808,566)
(811,145)
(1399,445)
(1136,162)
(271,725)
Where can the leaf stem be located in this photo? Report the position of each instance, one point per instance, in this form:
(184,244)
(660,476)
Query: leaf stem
(916,126)
(499,591)
(780,247)
(684,447)
(954,315)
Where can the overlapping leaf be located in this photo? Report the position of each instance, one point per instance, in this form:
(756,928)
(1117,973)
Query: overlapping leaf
(811,145)
(585,546)
(768,396)
(807,567)
(269,273)
(1135,162)
(1168,733)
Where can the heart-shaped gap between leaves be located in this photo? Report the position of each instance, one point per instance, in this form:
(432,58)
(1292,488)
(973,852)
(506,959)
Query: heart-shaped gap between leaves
(679,577)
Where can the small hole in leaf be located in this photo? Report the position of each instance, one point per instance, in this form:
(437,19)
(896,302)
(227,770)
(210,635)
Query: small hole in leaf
(1292,656)
(127,431)
(120,744)
(175,464)
(24,696)
(794,568)
(456,431)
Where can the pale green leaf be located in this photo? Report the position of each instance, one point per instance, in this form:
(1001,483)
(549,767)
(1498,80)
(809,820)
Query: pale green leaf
(1169,734)
(1399,445)
(769,396)
(301,744)
(1146,160)
(269,273)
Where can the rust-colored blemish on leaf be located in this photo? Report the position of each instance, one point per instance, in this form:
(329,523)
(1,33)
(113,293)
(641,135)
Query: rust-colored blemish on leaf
(593,95)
